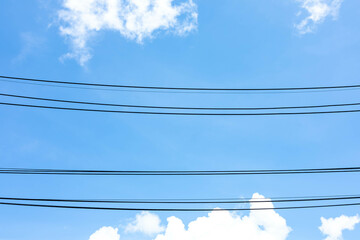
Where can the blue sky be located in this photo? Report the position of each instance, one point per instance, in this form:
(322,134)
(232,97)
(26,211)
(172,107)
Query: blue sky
(228,44)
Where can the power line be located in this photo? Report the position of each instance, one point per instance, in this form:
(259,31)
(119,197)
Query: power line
(177,209)
(228,199)
(338,198)
(174,91)
(179,113)
(179,88)
(25,171)
(178,108)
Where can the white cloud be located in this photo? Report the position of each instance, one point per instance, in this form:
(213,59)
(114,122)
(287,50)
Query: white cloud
(317,11)
(146,223)
(133,19)
(105,233)
(259,225)
(333,227)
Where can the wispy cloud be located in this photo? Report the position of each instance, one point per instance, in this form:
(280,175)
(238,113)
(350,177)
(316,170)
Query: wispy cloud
(133,19)
(317,11)
(334,227)
(31,43)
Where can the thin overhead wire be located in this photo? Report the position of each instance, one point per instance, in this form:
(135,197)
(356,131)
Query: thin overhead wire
(179,88)
(25,171)
(174,91)
(177,209)
(179,113)
(301,199)
(178,108)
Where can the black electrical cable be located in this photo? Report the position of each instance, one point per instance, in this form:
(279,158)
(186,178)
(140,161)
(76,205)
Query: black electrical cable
(168,172)
(173,91)
(180,88)
(178,108)
(180,113)
(25,171)
(181,202)
(176,209)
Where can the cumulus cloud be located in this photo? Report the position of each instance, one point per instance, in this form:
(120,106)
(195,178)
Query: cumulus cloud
(146,223)
(133,19)
(258,225)
(333,227)
(105,233)
(318,11)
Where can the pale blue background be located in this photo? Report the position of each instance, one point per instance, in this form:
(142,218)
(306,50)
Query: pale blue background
(237,44)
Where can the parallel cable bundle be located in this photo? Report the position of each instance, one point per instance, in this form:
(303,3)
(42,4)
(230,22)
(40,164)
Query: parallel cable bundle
(192,113)
(73,105)
(191,201)
(25,202)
